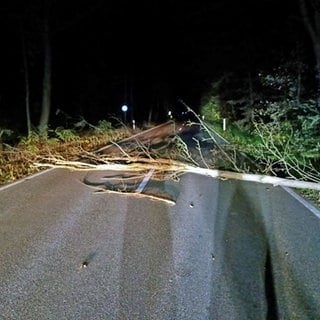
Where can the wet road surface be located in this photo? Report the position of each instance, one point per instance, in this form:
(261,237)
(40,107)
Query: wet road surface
(224,250)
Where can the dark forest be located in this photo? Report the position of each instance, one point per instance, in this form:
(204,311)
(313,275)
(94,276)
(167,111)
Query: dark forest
(66,60)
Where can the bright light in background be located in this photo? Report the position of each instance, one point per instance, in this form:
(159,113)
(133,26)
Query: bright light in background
(124,108)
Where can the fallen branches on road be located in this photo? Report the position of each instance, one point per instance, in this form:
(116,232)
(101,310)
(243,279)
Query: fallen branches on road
(176,168)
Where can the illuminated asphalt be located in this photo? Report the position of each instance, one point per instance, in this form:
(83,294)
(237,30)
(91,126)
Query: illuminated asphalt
(225,250)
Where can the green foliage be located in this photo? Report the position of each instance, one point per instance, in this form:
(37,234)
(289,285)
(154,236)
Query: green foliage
(103,126)
(65,135)
(285,152)
(35,140)
(210,109)
(236,134)
(288,127)
(289,139)
(5,133)
(283,83)
(31,142)
(283,134)
(298,122)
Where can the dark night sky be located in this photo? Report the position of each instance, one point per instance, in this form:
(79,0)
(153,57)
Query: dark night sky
(145,53)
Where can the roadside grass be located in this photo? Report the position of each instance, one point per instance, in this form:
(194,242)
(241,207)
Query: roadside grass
(18,161)
(247,141)
(312,195)
(235,135)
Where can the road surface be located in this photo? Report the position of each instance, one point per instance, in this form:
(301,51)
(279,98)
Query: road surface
(224,250)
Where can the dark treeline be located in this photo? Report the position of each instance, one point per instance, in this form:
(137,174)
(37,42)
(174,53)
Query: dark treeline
(63,60)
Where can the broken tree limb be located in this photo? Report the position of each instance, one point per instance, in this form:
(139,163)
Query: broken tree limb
(275,181)
(180,167)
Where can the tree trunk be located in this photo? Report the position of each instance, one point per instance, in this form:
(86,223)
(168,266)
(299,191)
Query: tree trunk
(298,85)
(312,25)
(150,115)
(46,84)
(26,80)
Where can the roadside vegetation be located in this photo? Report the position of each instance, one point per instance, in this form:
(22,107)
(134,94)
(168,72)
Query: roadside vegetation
(277,126)
(18,155)
(275,129)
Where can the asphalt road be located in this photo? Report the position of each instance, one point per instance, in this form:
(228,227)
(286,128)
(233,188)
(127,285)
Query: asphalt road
(225,250)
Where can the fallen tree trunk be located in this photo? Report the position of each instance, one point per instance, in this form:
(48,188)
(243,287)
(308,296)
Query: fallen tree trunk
(175,167)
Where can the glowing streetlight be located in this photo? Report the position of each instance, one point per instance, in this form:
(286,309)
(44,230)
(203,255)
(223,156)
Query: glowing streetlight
(124,109)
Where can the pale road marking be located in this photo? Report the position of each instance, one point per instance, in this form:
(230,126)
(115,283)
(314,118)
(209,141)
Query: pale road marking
(311,207)
(24,179)
(145,181)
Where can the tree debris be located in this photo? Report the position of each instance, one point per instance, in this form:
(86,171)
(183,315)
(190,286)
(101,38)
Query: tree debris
(176,168)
